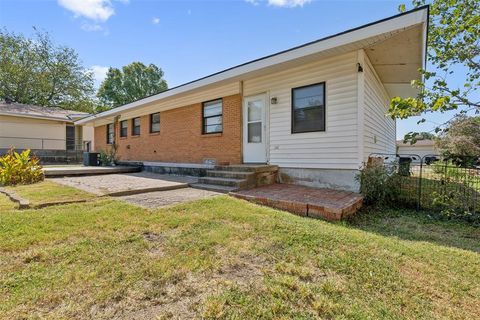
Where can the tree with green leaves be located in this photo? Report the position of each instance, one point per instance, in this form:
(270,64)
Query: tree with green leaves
(461,138)
(135,81)
(453,51)
(36,71)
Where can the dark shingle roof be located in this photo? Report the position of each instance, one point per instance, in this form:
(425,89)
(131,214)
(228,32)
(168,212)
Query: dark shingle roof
(32,111)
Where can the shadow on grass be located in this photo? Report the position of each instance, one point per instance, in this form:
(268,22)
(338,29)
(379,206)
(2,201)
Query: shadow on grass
(412,225)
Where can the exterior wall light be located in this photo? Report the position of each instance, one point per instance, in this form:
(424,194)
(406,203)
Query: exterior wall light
(273,100)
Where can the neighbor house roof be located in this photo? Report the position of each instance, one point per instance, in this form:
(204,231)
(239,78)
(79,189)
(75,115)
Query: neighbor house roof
(396,63)
(39,112)
(419,143)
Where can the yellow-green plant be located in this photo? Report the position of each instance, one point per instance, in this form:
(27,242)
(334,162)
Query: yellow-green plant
(20,168)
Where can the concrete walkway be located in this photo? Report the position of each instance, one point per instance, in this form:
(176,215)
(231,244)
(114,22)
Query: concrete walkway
(126,183)
(165,198)
(79,170)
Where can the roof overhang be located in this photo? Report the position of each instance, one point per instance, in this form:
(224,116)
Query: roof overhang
(34,116)
(370,36)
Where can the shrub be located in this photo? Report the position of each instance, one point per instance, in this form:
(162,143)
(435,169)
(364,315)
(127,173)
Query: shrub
(379,183)
(108,157)
(19,168)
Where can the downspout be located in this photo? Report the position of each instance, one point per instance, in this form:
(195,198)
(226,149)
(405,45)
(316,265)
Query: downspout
(241,118)
(360,69)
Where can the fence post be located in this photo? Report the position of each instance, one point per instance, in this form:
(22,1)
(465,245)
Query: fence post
(419,202)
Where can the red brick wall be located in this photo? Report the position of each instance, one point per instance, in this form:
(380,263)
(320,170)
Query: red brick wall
(180,138)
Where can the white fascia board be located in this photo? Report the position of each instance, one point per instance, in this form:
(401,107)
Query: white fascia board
(384,26)
(23,115)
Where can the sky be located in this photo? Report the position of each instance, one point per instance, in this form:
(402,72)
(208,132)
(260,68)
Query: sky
(191,39)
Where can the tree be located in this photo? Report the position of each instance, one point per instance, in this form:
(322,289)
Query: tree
(36,71)
(135,81)
(453,50)
(461,138)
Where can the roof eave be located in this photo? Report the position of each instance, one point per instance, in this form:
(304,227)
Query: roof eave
(403,20)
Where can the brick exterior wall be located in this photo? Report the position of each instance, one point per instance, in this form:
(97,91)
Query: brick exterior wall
(180,139)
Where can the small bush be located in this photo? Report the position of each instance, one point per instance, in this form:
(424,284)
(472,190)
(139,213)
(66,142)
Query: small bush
(378,183)
(20,168)
(108,157)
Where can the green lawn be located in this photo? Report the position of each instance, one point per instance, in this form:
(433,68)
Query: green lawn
(48,192)
(226,258)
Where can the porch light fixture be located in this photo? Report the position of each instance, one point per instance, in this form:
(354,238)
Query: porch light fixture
(359,67)
(273,100)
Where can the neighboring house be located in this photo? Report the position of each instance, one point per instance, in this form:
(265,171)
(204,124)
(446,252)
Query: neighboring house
(420,148)
(48,132)
(316,110)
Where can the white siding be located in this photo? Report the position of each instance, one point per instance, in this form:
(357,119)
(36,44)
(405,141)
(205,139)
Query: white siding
(335,148)
(23,133)
(379,130)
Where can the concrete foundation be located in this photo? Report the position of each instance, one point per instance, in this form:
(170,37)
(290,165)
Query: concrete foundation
(338,179)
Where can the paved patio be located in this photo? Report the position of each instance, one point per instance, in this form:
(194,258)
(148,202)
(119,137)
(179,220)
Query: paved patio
(126,183)
(79,170)
(310,202)
(165,198)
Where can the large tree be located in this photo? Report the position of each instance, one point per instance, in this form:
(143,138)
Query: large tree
(461,139)
(133,82)
(453,53)
(36,71)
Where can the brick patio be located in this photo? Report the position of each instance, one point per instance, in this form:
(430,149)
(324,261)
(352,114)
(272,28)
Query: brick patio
(304,201)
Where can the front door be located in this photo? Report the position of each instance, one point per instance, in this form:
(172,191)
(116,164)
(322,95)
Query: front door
(254,129)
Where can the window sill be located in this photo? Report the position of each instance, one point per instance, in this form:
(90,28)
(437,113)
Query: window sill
(123,138)
(211,135)
(154,133)
(135,136)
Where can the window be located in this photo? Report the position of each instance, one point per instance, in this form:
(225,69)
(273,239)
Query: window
(135,126)
(155,122)
(212,116)
(110,133)
(308,108)
(123,128)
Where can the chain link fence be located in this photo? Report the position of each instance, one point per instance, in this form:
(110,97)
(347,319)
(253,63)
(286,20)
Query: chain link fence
(431,182)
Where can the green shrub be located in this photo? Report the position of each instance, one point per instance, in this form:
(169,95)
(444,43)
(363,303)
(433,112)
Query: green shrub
(379,184)
(19,168)
(108,157)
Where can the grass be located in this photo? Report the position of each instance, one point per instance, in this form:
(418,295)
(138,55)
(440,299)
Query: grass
(47,192)
(225,258)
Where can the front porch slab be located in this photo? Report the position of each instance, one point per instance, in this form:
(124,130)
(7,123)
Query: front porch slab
(323,203)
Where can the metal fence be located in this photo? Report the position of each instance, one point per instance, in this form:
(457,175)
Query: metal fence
(434,183)
(48,150)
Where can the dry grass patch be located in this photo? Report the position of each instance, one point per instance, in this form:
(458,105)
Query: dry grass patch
(225,258)
(47,192)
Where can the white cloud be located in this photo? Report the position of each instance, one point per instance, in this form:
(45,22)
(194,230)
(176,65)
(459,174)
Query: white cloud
(91,27)
(99,10)
(156,20)
(254,2)
(281,3)
(99,74)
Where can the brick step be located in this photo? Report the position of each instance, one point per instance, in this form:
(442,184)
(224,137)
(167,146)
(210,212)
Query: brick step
(213,187)
(231,174)
(229,182)
(247,168)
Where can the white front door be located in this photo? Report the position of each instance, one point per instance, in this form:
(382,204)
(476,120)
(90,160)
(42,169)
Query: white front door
(254,129)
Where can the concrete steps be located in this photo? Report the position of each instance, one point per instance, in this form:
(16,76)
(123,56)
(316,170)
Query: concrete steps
(213,187)
(237,177)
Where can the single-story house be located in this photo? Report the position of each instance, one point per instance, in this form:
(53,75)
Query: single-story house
(49,132)
(421,148)
(317,111)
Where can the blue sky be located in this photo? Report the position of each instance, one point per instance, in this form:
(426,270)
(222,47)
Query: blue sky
(191,39)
